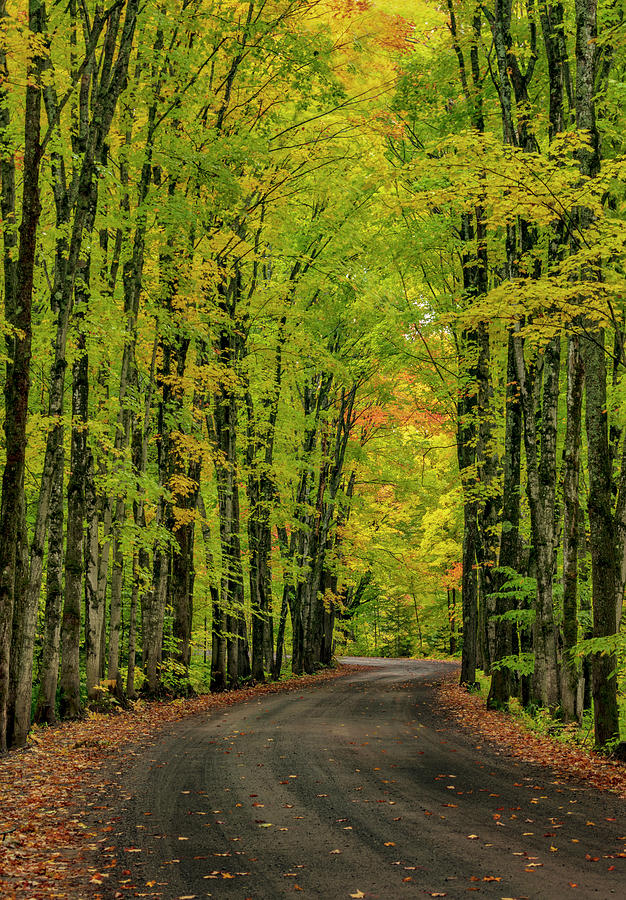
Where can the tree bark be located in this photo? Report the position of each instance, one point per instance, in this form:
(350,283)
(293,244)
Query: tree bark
(541,474)
(45,712)
(571,684)
(94,618)
(18,313)
(604,558)
(508,559)
(602,538)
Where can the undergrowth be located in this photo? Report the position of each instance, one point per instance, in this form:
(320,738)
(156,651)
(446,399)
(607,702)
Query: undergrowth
(541,722)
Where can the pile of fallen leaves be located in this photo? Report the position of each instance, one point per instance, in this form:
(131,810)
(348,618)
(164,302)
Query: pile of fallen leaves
(48,790)
(568,762)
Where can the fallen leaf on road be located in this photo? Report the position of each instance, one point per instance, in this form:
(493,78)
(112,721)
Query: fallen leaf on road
(358,895)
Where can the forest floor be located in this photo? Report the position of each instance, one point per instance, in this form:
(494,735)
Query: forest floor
(568,761)
(103,807)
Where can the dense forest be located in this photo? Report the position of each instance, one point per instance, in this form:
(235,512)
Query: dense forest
(314,329)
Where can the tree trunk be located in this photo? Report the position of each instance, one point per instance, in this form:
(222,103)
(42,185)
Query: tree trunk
(45,712)
(22,644)
(602,538)
(604,560)
(571,684)
(218,643)
(70,703)
(508,560)
(94,618)
(18,311)
(183,574)
(466,453)
(153,611)
(541,475)
(132,629)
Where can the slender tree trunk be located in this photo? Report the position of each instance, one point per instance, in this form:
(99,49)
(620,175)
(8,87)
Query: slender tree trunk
(45,712)
(75,550)
(22,644)
(488,463)
(571,684)
(153,611)
(218,644)
(117,585)
(280,635)
(94,619)
(508,561)
(77,553)
(183,574)
(132,629)
(104,552)
(466,438)
(469,594)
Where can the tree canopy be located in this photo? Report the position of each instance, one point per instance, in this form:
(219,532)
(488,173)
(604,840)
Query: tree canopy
(314,341)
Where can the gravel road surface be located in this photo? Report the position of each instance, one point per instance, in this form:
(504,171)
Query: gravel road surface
(360,787)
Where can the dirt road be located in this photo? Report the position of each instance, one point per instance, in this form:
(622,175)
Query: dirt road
(362,788)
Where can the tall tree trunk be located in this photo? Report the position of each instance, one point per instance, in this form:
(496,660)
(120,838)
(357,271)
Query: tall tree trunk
(22,645)
(508,560)
(117,585)
(183,573)
(153,611)
(222,427)
(94,618)
(218,644)
(70,703)
(132,628)
(604,564)
(541,474)
(77,488)
(45,712)
(466,452)
(571,684)
(18,310)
